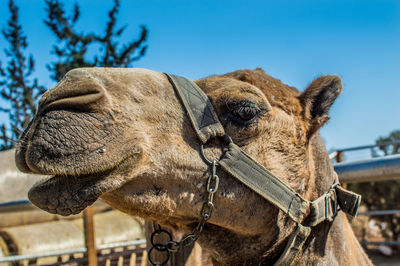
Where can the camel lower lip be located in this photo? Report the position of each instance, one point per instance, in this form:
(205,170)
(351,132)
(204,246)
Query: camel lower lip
(66,195)
(61,195)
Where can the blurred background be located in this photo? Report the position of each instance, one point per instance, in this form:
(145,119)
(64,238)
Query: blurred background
(294,41)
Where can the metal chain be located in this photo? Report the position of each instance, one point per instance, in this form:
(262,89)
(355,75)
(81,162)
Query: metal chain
(189,239)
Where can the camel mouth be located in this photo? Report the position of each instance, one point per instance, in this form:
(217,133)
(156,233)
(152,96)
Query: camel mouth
(80,151)
(70,194)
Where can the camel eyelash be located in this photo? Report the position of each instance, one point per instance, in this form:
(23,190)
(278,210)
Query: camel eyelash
(243,113)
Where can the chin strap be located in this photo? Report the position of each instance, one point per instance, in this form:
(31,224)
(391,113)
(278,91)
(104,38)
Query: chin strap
(244,168)
(323,209)
(294,245)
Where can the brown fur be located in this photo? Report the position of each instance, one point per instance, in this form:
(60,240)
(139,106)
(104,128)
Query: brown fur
(129,142)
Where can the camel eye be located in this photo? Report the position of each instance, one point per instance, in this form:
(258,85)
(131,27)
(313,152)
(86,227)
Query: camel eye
(243,112)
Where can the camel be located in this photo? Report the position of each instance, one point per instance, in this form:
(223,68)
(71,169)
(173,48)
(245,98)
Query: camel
(123,135)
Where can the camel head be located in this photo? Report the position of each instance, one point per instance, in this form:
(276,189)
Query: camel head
(123,135)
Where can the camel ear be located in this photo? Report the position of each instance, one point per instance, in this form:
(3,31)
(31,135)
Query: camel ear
(317,99)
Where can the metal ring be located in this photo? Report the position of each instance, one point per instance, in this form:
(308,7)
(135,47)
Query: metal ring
(226,138)
(206,210)
(200,226)
(159,246)
(337,183)
(188,240)
(204,155)
(173,246)
(158,263)
(214,178)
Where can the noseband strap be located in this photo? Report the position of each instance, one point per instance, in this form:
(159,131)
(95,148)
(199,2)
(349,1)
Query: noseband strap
(244,168)
(198,107)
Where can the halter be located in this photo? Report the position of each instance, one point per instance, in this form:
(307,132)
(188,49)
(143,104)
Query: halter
(240,165)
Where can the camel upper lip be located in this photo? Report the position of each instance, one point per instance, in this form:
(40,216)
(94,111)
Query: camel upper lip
(24,166)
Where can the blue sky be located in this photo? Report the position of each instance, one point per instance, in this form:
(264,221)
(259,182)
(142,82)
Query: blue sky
(295,41)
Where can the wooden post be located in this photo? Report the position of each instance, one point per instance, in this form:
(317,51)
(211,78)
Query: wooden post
(90,240)
(339,156)
(339,159)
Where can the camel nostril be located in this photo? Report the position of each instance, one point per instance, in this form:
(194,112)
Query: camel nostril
(78,97)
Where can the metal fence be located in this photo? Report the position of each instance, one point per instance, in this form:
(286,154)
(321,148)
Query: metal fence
(123,253)
(374,169)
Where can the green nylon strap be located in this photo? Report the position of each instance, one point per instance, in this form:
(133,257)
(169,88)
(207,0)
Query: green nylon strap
(348,200)
(240,165)
(294,245)
(323,208)
(199,108)
(249,172)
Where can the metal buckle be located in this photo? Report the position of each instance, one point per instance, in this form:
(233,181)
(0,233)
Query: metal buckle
(331,203)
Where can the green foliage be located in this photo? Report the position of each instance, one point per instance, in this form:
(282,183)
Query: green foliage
(384,195)
(72,47)
(16,86)
(394,138)
(21,92)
